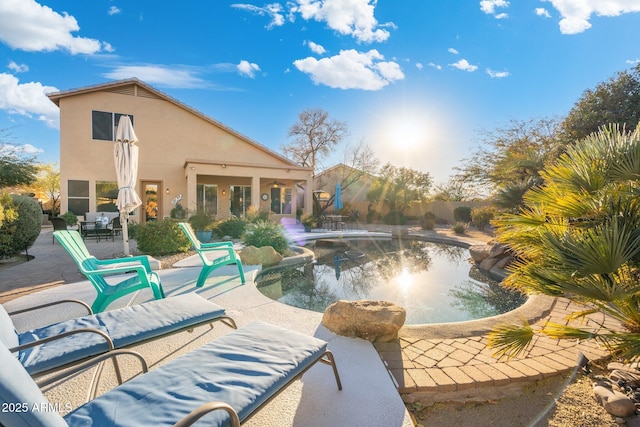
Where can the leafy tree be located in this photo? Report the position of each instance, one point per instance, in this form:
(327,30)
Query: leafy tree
(614,101)
(579,237)
(315,134)
(399,187)
(16,167)
(47,185)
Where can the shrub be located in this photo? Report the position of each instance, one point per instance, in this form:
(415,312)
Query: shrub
(233,227)
(178,212)
(459,227)
(162,237)
(266,233)
(70,218)
(372,216)
(462,214)
(481,217)
(309,221)
(428,224)
(201,220)
(395,218)
(254,215)
(20,233)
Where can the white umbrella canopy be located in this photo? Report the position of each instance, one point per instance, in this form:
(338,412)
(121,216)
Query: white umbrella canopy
(125,153)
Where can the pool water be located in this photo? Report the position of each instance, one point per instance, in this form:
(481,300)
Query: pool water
(434,282)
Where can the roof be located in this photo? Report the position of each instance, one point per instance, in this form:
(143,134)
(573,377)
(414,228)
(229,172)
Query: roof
(110,86)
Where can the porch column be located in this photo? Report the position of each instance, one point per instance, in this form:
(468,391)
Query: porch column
(255,191)
(308,195)
(192,198)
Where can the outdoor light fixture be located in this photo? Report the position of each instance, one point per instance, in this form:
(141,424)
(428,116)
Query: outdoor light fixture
(224,166)
(275,184)
(224,192)
(167,191)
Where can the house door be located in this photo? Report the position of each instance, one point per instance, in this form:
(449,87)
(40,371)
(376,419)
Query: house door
(151,201)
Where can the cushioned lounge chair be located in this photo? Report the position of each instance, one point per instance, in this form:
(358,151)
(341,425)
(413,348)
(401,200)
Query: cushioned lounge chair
(53,347)
(228,254)
(97,270)
(224,382)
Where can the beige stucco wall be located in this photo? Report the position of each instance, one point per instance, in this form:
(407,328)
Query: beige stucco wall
(174,143)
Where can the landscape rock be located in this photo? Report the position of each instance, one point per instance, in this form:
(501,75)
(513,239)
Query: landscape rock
(488,263)
(616,403)
(265,255)
(375,321)
(479,252)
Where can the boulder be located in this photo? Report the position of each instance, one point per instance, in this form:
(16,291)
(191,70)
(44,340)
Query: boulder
(375,321)
(616,403)
(265,255)
(479,252)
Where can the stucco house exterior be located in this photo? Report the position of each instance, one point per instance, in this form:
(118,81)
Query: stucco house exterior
(182,152)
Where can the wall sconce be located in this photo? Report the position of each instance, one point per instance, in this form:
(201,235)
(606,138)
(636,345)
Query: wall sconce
(224,192)
(275,184)
(167,191)
(224,166)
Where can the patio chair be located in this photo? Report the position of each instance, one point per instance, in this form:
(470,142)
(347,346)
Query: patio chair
(229,254)
(53,347)
(58,224)
(97,270)
(225,381)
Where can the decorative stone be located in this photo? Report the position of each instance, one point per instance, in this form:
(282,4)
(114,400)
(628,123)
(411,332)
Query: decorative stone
(265,255)
(498,250)
(479,252)
(614,402)
(375,321)
(488,263)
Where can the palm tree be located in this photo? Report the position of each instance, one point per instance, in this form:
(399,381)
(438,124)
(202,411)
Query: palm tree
(578,237)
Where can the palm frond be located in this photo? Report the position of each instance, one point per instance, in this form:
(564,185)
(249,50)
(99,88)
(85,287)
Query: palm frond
(510,340)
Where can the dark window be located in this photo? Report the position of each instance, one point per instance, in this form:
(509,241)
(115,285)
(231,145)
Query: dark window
(104,125)
(78,199)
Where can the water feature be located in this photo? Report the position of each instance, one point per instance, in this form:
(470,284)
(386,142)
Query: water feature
(434,282)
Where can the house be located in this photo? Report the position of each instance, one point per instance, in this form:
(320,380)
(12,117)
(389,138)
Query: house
(185,157)
(354,187)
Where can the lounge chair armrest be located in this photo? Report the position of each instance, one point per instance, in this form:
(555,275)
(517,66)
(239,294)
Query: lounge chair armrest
(141,270)
(216,245)
(203,410)
(141,259)
(94,361)
(49,304)
(62,335)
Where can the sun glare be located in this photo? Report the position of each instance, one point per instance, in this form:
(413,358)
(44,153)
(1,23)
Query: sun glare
(406,132)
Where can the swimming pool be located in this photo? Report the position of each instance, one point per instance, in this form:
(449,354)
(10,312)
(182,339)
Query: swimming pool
(434,282)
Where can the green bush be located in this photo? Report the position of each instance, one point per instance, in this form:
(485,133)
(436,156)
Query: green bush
(233,227)
(201,220)
(481,217)
(254,215)
(266,233)
(162,237)
(21,233)
(395,218)
(70,218)
(428,224)
(462,214)
(459,227)
(178,212)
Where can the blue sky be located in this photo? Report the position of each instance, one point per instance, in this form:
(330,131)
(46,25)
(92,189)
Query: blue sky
(417,80)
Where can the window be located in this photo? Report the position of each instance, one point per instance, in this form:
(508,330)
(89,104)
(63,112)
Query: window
(281,200)
(104,125)
(207,198)
(240,200)
(106,196)
(78,199)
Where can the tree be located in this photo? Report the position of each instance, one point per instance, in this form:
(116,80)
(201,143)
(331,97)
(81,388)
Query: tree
(614,101)
(16,167)
(47,185)
(399,187)
(314,137)
(579,237)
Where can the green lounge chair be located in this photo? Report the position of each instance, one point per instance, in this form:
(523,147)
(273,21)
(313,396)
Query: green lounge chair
(229,255)
(96,270)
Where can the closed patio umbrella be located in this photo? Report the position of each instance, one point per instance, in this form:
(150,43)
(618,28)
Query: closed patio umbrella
(125,153)
(337,202)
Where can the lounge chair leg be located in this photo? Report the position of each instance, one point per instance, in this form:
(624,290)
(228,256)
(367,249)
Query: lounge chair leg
(332,362)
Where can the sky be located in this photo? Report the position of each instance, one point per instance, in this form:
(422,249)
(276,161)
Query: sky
(419,81)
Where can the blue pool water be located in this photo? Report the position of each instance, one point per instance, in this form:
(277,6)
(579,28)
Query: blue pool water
(434,282)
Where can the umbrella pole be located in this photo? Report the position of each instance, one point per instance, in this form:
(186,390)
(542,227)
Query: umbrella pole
(125,232)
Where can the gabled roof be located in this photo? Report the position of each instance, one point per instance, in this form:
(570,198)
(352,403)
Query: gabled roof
(152,92)
(336,168)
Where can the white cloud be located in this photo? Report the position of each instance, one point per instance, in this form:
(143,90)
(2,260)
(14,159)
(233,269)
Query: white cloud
(632,61)
(273,11)
(113,10)
(464,65)
(541,11)
(452,50)
(18,68)
(351,70)
(497,74)
(501,15)
(29,26)
(30,149)
(316,48)
(28,99)
(434,65)
(576,13)
(353,17)
(173,76)
(489,6)
(419,66)
(248,69)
